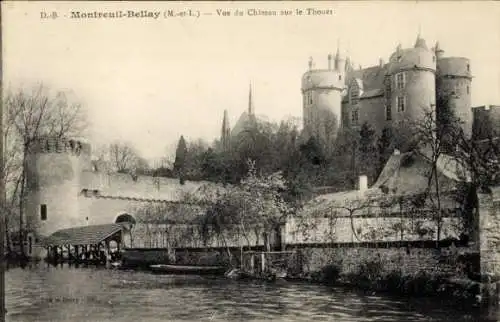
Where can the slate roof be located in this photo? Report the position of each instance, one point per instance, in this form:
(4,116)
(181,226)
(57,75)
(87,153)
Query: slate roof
(85,235)
(371,80)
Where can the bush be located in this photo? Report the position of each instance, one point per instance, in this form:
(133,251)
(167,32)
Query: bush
(330,274)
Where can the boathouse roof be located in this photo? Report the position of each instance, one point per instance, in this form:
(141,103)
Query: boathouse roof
(85,235)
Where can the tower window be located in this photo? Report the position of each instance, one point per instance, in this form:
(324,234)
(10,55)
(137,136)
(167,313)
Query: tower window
(355,117)
(309,98)
(400,80)
(401,102)
(340,77)
(468,89)
(468,67)
(388,112)
(43,212)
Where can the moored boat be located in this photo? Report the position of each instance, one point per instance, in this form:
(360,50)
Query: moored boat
(187,269)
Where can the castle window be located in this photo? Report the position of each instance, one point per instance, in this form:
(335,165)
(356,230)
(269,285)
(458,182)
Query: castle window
(388,87)
(401,102)
(340,77)
(388,112)
(355,117)
(400,80)
(468,67)
(468,89)
(43,212)
(309,98)
(354,94)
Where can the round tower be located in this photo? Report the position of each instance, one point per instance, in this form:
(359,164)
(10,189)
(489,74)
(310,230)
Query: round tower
(454,88)
(322,96)
(54,168)
(411,89)
(486,123)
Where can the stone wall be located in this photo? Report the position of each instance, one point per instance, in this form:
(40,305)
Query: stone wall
(489,233)
(408,261)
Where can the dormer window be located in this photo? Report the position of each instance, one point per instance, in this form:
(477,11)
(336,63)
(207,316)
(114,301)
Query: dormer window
(354,93)
(400,80)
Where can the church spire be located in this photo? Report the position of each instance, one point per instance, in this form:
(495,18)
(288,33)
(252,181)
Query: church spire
(250,101)
(225,135)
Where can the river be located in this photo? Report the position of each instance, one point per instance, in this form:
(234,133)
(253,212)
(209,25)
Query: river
(46,293)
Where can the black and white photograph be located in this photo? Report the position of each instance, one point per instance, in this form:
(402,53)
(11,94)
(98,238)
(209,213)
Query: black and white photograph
(250,161)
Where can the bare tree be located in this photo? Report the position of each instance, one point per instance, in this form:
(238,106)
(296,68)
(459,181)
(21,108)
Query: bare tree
(31,115)
(123,157)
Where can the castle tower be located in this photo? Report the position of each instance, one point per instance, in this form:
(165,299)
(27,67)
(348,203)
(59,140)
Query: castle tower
(453,80)
(53,184)
(486,122)
(226,132)
(322,100)
(410,88)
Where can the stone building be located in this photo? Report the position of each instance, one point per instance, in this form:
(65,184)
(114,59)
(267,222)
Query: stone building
(66,189)
(342,96)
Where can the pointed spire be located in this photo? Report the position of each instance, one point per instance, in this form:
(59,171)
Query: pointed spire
(225,123)
(438,51)
(420,42)
(225,136)
(250,101)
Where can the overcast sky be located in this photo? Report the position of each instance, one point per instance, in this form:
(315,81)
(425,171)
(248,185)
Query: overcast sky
(148,81)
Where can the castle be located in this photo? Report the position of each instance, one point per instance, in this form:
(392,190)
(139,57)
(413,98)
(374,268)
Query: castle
(65,188)
(342,97)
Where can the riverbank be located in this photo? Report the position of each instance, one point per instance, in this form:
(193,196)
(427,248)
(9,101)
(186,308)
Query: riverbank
(370,280)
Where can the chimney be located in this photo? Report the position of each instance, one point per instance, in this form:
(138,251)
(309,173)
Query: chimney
(363,183)
(330,61)
(381,63)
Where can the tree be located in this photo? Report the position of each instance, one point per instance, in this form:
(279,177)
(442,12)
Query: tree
(385,147)
(256,206)
(124,158)
(180,158)
(367,151)
(32,114)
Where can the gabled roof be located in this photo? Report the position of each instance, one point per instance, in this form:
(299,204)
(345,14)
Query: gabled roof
(408,173)
(85,235)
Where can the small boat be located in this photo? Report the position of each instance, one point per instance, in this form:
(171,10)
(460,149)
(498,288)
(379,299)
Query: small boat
(187,269)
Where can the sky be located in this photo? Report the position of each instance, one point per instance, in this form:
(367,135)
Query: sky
(147,81)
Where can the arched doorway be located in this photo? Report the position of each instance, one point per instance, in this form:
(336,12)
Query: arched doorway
(128,222)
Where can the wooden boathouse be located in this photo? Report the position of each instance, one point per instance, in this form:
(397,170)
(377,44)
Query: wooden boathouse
(85,245)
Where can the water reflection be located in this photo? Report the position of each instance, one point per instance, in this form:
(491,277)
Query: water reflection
(46,293)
